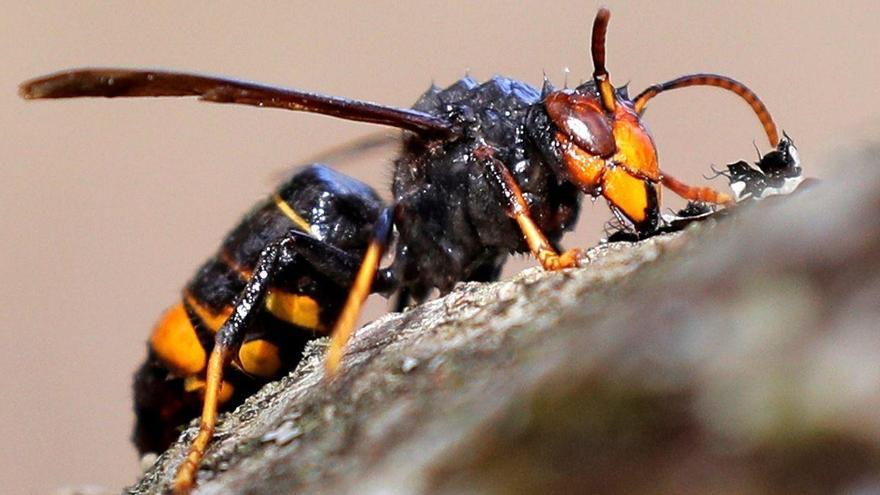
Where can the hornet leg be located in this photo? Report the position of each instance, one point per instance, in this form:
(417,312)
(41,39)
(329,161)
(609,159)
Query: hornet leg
(226,345)
(517,208)
(339,266)
(336,264)
(360,289)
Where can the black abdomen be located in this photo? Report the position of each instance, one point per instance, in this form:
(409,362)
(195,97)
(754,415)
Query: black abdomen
(301,304)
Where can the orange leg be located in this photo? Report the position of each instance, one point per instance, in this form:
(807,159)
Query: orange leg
(360,289)
(541,248)
(186,473)
(695,193)
(538,244)
(227,342)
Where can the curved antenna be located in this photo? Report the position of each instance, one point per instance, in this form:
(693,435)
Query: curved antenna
(717,81)
(111,83)
(597,49)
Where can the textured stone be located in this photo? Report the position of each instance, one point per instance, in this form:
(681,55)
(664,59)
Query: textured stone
(740,356)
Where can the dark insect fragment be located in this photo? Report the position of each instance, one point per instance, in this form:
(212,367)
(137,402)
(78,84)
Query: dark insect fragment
(777,172)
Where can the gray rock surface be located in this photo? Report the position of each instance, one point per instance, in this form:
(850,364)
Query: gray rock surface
(741,356)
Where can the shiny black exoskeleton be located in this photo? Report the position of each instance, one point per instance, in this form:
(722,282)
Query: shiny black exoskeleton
(447,230)
(445,234)
(328,219)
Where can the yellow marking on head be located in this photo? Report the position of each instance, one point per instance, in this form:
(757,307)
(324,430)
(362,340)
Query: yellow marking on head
(175,342)
(294,308)
(626,192)
(606,93)
(584,169)
(196,384)
(211,319)
(260,357)
(292,214)
(635,148)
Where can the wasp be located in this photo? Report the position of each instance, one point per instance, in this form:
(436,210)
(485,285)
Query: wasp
(486,170)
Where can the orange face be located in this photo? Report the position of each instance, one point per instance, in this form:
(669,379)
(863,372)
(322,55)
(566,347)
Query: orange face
(608,153)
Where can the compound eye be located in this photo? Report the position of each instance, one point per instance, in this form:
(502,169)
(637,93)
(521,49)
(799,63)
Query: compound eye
(583,120)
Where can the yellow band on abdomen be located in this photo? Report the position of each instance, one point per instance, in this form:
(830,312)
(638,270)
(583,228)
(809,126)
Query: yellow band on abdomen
(297,309)
(291,213)
(175,342)
(260,358)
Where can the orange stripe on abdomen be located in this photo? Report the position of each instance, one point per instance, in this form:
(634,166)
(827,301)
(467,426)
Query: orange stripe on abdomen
(296,309)
(175,342)
(260,358)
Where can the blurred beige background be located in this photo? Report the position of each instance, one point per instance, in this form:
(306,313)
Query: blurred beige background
(108,206)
